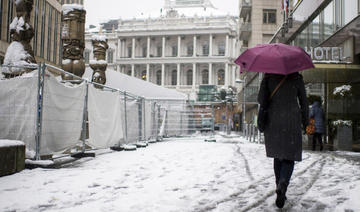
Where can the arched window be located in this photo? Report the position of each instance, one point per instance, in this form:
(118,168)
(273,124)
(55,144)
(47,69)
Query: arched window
(189,77)
(129,73)
(205,77)
(158,77)
(143,75)
(174,77)
(221,77)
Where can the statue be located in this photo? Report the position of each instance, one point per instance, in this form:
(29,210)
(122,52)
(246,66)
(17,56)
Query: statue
(19,52)
(73,38)
(99,64)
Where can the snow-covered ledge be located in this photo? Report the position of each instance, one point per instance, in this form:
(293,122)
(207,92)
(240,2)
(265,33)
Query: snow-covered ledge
(12,156)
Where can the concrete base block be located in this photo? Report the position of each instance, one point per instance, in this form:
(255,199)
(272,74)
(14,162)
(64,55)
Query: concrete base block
(12,159)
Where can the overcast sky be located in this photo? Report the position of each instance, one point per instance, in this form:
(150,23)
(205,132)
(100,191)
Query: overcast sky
(100,11)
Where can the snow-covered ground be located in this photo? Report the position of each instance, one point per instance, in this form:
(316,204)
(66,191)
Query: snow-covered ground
(185,174)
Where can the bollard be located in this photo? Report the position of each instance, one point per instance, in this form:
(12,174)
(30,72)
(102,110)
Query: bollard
(83,131)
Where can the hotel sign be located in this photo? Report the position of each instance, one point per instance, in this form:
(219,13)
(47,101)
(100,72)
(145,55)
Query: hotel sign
(325,53)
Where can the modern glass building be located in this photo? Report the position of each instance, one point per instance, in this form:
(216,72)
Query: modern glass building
(329,30)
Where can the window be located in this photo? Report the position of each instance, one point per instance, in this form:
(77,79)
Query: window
(110,56)
(174,51)
(143,75)
(174,77)
(129,51)
(221,77)
(42,36)
(158,77)
(189,77)
(50,26)
(55,37)
(205,49)
(328,21)
(159,51)
(144,51)
(190,50)
(205,77)
(269,16)
(351,10)
(10,18)
(221,49)
(36,19)
(87,56)
(128,73)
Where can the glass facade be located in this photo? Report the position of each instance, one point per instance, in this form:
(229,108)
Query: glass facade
(329,31)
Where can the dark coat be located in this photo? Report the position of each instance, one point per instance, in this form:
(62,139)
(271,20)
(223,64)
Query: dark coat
(288,110)
(317,114)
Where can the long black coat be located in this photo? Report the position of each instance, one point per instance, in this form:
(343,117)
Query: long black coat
(288,110)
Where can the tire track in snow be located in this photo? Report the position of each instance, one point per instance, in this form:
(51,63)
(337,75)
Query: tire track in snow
(248,171)
(263,181)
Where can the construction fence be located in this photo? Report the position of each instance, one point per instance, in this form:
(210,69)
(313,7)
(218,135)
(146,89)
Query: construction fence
(52,116)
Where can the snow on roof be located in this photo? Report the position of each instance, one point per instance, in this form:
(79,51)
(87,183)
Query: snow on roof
(8,143)
(137,86)
(185,12)
(99,37)
(66,8)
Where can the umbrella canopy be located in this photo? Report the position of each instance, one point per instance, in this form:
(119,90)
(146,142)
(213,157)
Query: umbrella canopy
(275,58)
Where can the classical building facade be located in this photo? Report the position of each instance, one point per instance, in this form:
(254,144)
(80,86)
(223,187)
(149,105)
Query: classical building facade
(72,2)
(45,19)
(185,44)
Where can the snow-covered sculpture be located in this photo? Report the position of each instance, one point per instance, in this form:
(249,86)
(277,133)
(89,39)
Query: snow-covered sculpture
(19,52)
(99,65)
(73,38)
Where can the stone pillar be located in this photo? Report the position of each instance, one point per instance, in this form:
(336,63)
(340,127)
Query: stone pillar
(148,72)
(148,47)
(226,74)
(210,74)
(133,48)
(194,46)
(179,46)
(118,52)
(99,63)
(73,39)
(21,34)
(210,44)
(233,75)
(194,76)
(227,46)
(163,46)
(163,74)
(178,76)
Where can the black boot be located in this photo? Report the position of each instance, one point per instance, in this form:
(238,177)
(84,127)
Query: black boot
(280,192)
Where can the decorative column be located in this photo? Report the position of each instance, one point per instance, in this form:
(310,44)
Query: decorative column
(163,47)
(148,72)
(227,46)
(194,46)
(99,65)
(210,44)
(194,76)
(132,70)
(148,47)
(178,76)
(118,52)
(133,48)
(21,33)
(163,74)
(210,74)
(226,74)
(233,75)
(73,39)
(179,46)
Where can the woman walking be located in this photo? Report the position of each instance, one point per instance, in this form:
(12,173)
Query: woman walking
(287,115)
(317,114)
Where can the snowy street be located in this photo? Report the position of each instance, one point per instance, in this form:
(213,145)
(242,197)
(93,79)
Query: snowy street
(186,174)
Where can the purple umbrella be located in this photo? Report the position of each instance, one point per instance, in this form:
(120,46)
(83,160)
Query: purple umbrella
(275,58)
